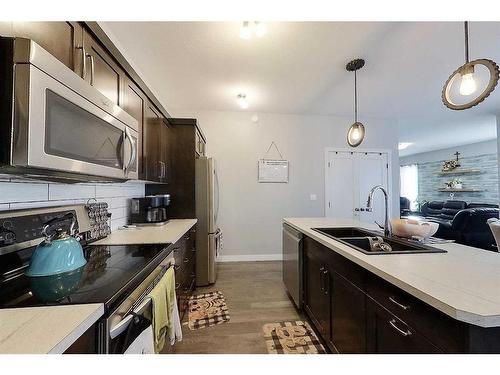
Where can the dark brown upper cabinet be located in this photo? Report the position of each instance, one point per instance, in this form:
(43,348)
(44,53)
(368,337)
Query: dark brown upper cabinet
(61,39)
(156,150)
(101,70)
(134,103)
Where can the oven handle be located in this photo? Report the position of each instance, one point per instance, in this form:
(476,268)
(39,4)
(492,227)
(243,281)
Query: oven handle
(139,310)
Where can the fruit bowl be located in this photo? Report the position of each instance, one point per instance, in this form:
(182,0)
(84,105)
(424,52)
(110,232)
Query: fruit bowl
(409,228)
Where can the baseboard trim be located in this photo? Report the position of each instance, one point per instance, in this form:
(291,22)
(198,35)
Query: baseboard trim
(249,258)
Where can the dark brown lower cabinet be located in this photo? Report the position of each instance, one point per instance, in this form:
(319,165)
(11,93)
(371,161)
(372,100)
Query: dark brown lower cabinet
(348,309)
(317,296)
(355,311)
(386,334)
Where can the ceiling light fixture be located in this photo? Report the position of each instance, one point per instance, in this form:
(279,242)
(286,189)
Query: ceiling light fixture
(356,133)
(469,81)
(245,32)
(242,101)
(248,29)
(403,145)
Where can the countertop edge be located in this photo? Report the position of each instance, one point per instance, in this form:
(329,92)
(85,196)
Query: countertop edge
(457,314)
(67,341)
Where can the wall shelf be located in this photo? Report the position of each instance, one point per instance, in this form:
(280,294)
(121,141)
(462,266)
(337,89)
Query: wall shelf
(460,171)
(460,190)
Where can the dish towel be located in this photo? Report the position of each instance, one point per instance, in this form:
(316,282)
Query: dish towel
(160,311)
(165,314)
(143,344)
(174,327)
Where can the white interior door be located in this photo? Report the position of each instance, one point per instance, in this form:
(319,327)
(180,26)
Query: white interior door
(349,176)
(340,175)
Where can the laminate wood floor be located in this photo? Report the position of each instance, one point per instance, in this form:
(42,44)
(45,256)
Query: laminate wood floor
(255,295)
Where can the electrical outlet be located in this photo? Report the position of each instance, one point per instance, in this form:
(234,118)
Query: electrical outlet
(313,197)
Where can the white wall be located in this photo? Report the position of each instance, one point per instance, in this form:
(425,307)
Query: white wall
(251,213)
(17,193)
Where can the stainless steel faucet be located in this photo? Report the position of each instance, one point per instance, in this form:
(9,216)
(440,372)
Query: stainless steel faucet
(387,226)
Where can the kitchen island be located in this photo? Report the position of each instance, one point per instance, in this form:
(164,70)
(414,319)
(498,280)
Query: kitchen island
(455,294)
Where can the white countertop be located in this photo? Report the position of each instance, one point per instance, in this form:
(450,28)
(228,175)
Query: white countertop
(170,232)
(51,329)
(463,283)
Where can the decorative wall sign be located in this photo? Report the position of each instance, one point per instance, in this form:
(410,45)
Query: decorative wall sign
(273,170)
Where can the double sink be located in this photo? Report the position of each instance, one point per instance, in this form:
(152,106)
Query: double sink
(373,243)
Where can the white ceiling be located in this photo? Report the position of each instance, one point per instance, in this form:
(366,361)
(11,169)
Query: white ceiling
(299,68)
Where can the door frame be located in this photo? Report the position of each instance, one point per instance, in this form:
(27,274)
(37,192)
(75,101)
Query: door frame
(360,151)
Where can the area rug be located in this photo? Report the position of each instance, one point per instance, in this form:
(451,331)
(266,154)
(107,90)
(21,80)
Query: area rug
(291,338)
(205,310)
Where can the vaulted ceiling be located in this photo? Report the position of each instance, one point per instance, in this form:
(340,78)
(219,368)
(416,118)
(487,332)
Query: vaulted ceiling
(299,68)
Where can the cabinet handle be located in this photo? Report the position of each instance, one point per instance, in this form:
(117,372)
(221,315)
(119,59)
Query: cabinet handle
(405,333)
(327,283)
(186,260)
(400,305)
(160,175)
(321,274)
(84,62)
(92,70)
(177,267)
(177,285)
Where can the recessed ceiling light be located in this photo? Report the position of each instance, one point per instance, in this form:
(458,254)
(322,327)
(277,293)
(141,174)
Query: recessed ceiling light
(248,29)
(245,32)
(241,99)
(403,145)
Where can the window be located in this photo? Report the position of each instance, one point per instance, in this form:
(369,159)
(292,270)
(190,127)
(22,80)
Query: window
(409,184)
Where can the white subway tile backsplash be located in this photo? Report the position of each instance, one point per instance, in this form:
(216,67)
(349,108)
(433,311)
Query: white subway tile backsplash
(21,193)
(13,192)
(26,205)
(76,191)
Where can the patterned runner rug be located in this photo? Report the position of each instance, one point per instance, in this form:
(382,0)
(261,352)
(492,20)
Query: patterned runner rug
(206,310)
(291,338)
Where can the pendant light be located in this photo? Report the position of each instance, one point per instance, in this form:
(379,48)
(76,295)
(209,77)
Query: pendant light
(356,133)
(468,95)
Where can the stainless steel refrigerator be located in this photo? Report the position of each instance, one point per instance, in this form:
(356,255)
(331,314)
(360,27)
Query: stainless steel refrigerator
(208,234)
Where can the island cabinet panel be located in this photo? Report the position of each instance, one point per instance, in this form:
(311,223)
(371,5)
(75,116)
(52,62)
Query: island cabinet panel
(355,311)
(348,316)
(317,285)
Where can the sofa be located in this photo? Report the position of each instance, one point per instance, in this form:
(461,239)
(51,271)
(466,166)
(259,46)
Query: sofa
(466,223)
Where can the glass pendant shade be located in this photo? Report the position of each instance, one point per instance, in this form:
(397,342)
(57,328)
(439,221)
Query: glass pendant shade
(356,134)
(471,83)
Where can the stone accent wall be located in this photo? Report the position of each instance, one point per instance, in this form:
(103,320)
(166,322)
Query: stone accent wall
(430,180)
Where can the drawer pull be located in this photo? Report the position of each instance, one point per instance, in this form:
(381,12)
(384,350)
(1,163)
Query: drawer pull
(400,305)
(186,260)
(177,286)
(405,333)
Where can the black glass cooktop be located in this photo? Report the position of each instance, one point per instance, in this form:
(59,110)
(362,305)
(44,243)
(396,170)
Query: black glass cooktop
(110,273)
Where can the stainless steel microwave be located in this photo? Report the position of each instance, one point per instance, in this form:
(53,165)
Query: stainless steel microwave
(54,125)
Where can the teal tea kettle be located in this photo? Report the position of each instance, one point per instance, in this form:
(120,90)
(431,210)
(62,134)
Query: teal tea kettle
(60,252)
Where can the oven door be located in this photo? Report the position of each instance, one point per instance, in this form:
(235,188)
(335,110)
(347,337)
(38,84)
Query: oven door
(57,128)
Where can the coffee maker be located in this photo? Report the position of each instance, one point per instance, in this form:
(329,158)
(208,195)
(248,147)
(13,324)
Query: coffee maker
(150,210)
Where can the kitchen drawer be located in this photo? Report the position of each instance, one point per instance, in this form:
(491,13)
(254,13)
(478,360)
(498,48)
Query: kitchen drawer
(387,334)
(444,331)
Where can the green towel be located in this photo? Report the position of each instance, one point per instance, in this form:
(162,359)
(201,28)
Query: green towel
(162,310)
